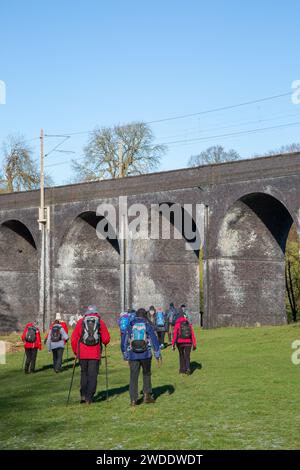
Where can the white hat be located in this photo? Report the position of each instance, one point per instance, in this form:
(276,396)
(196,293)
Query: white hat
(58,316)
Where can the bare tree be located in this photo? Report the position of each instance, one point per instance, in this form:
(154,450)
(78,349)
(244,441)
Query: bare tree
(290,148)
(19,169)
(101,161)
(214,154)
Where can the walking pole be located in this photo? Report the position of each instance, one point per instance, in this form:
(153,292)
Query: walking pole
(23,363)
(106,373)
(71,384)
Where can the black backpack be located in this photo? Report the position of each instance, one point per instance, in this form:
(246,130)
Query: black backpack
(56,333)
(185,331)
(91,330)
(30,336)
(175,317)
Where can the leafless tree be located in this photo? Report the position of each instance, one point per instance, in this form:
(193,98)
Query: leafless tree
(214,154)
(19,169)
(290,148)
(101,161)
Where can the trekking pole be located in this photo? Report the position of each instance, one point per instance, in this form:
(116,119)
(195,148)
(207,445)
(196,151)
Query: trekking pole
(23,362)
(106,373)
(72,378)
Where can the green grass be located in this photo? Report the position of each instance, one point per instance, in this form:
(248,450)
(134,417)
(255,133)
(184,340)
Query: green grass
(245,396)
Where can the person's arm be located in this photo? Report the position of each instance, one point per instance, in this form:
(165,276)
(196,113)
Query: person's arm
(76,337)
(24,334)
(38,340)
(105,336)
(64,334)
(194,341)
(154,341)
(124,343)
(48,341)
(175,333)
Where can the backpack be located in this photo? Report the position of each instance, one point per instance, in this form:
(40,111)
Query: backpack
(56,333)
(185,330)
(160,319)
(124,322)
(90,330)
(175,317)
(30,336)
(138,341)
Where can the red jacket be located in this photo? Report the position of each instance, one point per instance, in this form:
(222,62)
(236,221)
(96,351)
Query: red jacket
(37,344)
(88,352)
(176,333)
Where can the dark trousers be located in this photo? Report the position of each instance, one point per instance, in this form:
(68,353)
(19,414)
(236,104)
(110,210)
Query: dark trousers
(57,358)
(161,337)
(31,354)
(89,374)
(134,377)
(170,333)
(184,357)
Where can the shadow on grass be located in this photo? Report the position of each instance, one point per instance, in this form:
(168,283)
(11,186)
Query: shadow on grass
(158,391)
(195,366)
(64,368)
(162,389)
(111,394)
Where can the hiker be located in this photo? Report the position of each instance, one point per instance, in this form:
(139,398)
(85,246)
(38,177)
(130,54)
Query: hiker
(184,338)
(31,338)
(172,315)
(87,339)
(136,348)
(56,341)
(184,311)
(125,319)
(151,316)
(61,322)
(161,326)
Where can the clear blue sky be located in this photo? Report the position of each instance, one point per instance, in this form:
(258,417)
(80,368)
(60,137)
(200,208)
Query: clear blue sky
(69,66)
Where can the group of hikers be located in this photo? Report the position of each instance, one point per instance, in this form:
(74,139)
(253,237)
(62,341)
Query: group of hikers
(141,333)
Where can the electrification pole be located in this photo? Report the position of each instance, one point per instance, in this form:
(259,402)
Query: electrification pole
(122,223)
(42,221)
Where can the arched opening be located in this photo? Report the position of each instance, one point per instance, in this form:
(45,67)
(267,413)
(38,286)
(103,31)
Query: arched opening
(292,275)
(249,270)
(87,269)
(166,270)
(18,276)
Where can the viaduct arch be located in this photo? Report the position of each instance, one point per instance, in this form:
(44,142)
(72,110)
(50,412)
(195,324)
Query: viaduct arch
(250,206)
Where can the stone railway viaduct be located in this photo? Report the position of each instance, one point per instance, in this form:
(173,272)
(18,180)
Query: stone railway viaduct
(250,206)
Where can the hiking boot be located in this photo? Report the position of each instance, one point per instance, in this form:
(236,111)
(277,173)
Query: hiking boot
(133,403)
(188,372)
(148,398)
(82,400)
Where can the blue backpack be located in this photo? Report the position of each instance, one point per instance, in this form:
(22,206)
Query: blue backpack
(138,343)
(124,322)
(160,319)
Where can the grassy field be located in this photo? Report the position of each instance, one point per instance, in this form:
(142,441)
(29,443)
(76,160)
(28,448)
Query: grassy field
(243,394)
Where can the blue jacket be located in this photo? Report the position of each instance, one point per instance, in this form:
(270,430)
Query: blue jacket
(153,343)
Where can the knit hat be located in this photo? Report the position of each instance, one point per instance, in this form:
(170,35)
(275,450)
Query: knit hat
(92,309)
(58,316)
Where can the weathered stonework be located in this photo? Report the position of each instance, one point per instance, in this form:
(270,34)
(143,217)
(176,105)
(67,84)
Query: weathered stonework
(250,206)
